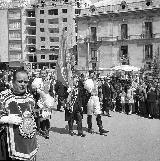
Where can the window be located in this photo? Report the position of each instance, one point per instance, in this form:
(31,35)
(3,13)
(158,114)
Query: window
(124,31)
(42,56)
(42,29)
(76,29)
(42,47)
(148,30)
(77,11)
(54,30)
(124,55)
(93,55)
(64,19)
(42,38)
(64,10)
(31,13)
(41,20)
(53,21)
(41,11)
(53,12)
(53,57)
(54,39)
(93,33)
(149,51)
(93,66)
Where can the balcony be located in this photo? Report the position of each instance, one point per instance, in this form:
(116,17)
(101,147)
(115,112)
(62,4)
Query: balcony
(130,37)
(31,15)
(14,28)
(15,38)
(124,60)
(31,25)
(93,59)
(31,49)
(30,44)
(31,34)
(15,49)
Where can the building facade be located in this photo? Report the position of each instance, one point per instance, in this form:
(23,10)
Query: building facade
(125,32)
(36,33)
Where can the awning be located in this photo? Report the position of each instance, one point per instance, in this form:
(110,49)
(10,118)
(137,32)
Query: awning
(16,64)
(126,68)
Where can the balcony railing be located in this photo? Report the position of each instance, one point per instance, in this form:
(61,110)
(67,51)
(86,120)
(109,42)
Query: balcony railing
(94,59)
(131,37)
(124,60)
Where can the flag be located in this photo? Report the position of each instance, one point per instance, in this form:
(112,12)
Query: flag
(62,75)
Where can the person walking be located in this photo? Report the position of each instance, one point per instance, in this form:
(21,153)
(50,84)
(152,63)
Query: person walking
(93,106)
(73,110)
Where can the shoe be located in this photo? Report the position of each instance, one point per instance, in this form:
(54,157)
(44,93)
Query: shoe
(71,133)
(59,110)
(108,115)
(102,131)
(90,131)
(81,134)
(130,113)
(46,136)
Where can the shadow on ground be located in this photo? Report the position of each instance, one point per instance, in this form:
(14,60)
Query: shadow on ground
(65,129)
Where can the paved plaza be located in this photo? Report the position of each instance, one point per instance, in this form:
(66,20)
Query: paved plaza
(130,138)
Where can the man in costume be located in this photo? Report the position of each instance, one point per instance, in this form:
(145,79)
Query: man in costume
(18,128)
(93,106)
(44,102)
(74,109)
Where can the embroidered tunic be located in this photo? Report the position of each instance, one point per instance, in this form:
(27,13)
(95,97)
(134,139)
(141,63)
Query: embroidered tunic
(19,147)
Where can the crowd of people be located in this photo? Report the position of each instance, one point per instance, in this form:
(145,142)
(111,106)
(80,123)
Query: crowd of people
(28,99)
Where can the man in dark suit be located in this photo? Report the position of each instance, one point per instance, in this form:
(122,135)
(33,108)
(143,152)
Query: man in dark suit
(106,92)
(61,91)
(73,110)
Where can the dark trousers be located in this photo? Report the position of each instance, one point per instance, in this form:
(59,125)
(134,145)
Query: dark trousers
(106,105)
(98,119)
(78,118)
(45,125)
(61,101)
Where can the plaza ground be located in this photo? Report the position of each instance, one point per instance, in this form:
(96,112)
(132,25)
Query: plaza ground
(130,138)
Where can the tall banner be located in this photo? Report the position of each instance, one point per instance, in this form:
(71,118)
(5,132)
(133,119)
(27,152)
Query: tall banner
(61,68)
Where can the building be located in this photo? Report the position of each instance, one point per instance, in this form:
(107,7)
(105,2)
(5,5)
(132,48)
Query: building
(36,34)
(118,32)
(16,21)
(56,30)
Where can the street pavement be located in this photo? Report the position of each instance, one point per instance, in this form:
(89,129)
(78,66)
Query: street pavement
(130,138)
